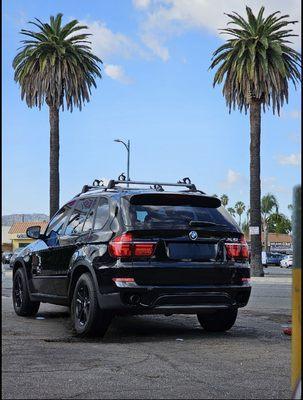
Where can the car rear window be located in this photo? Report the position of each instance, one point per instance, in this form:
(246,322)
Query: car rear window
(169,213)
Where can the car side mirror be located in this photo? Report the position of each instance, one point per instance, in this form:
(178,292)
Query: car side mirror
(33,232)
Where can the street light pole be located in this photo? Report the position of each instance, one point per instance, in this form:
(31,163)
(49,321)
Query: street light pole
(128,156)
(127,146)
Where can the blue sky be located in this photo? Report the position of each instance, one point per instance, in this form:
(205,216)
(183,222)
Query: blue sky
(156,91)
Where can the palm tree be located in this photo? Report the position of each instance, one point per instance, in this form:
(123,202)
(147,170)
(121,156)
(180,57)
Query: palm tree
(245,228)
(279,223)
(256,64)
(268,203)
(232,211)
(56,65)
(239,208)
(224,200)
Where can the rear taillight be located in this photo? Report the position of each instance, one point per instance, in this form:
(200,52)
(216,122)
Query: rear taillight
(237,251)
(125,246)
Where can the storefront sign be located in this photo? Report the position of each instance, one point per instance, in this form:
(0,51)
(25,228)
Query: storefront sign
(280,246)
(21,236)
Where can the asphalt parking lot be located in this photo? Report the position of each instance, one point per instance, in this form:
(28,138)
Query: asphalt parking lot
(151,356)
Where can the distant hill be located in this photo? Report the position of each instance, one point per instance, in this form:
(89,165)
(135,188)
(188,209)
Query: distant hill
(8,220)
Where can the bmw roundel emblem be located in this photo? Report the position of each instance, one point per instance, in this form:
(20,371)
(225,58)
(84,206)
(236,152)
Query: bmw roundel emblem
(193,235)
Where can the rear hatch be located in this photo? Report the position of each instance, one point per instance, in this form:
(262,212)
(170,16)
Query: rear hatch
(189,232)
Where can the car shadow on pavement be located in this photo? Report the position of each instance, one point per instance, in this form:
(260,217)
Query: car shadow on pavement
(132,329)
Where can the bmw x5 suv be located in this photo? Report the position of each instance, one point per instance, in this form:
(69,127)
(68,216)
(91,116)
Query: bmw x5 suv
(116,249)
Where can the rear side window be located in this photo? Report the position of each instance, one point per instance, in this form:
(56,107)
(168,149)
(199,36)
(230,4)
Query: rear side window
(102,213)
(166,215)
(78,216)
(58,221)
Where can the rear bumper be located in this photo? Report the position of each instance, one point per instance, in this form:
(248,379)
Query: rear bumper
(183,287)
(174,300)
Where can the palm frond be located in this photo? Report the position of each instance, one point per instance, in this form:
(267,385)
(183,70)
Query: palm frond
(55,67)
(256,62)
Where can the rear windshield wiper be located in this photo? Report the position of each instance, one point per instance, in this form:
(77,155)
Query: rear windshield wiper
(206,223)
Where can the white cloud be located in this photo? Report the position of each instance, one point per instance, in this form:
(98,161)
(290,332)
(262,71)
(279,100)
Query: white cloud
(232,179)
(154,44)
(167,18)
(117,73)
(141,3)
(292,159)
(106,43)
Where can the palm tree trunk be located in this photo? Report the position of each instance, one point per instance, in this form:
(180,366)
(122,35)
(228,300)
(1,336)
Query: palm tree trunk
(54,184)
(255,187)
(266,236)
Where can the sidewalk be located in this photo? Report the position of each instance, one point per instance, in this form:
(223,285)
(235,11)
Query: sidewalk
(272,279)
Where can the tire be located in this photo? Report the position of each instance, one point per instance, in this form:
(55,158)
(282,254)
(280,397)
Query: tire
(23,305)
(87,318)
(220,321)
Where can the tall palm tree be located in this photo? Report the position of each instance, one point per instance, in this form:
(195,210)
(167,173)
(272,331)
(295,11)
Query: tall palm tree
(56,65)
(268,204)
(239,208)
(224,200)
(256,64)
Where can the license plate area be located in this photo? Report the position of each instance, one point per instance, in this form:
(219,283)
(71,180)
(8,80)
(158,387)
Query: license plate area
(192,251)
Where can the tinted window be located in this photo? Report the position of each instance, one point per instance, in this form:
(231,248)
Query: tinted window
(78,216)
(167,216)
(102,213)
(57,223)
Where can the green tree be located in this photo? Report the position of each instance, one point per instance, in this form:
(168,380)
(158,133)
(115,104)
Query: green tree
(232,211)
(239,208)
(268,204)
(56,65)
(224,200)
(256,64)
(279,223)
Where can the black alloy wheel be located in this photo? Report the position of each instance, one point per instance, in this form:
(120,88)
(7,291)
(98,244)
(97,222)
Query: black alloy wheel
(18,292)
(82,304)
(23,305)
(88,319)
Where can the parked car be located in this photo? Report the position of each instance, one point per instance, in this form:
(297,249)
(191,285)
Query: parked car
(269,258)
(113,250)
(286,262)
(14,255)
(6,256)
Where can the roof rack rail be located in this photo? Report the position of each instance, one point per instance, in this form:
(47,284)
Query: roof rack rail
(158,186)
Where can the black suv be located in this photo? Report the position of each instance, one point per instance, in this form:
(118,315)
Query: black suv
(115,250)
